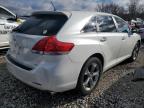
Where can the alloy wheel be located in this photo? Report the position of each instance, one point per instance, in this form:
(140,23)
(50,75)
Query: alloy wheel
(91,76)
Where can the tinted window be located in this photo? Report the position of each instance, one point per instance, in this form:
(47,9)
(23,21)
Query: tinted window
(106,24)
(91,26)
(42,25)
(122,25)
(5,14)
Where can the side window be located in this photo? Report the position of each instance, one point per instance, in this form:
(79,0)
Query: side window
(91,26)
(5,14)
(106,24)
(122,25)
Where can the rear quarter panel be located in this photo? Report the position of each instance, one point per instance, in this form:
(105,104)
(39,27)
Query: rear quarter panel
(86,44)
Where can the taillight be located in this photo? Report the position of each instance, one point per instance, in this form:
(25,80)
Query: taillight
(50,45)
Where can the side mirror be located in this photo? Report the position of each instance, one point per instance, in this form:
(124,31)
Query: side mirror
(134,30)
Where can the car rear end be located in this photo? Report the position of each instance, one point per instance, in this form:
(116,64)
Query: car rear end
(37,57)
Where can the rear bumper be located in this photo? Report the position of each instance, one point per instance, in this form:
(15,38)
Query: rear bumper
(48,76)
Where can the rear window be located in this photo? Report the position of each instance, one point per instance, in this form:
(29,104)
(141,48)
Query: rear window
(42,25)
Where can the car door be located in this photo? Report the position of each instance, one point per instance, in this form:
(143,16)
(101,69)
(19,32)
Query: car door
(110,39)
(126,40)
(6,26)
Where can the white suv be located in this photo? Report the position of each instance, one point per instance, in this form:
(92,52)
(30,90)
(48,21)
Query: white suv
(59,51)
(8,21)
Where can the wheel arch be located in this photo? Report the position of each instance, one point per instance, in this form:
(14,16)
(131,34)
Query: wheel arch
(98,55)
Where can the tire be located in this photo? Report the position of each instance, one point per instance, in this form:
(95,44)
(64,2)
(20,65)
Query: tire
(89,76)
(135,52)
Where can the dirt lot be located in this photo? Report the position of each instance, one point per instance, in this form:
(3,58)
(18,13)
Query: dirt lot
(115,90)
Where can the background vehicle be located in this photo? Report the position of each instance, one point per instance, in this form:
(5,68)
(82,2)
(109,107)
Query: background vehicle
(59,51)
(138,25)
(8,21)
(141,32)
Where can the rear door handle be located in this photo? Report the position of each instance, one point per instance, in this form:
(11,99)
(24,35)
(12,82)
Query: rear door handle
(123,38)
(103,39)
(2,24)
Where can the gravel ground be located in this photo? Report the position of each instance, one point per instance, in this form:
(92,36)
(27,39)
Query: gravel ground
(115,90)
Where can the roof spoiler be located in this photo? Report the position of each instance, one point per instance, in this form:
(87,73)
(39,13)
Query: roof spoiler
(38,13)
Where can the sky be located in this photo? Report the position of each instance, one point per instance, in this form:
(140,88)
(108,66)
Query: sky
(26,7)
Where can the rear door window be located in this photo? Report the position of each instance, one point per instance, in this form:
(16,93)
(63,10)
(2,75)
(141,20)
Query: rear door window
(42,25)
(106,24)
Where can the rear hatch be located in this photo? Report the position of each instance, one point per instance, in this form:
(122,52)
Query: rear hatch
(28,34)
